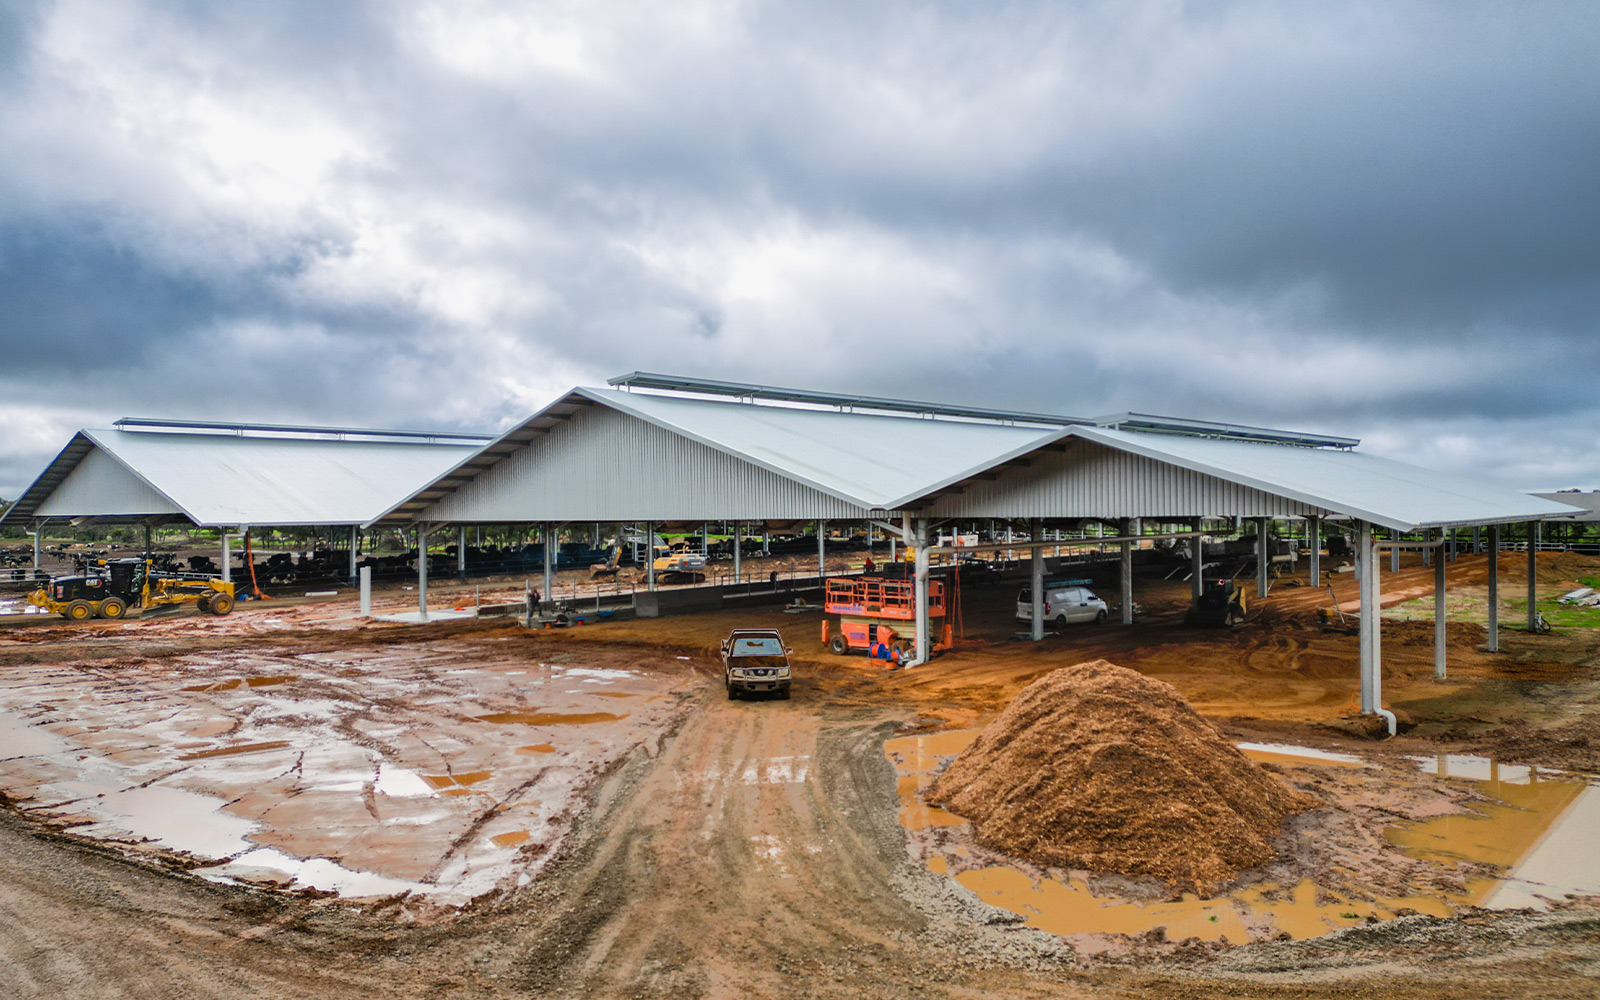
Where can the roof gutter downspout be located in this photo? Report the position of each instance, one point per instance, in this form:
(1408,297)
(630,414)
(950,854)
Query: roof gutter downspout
(1371,628)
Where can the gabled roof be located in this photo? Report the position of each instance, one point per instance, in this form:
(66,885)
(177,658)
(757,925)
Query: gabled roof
(236,478)
(1587,503)
(1386,492)
(866,459)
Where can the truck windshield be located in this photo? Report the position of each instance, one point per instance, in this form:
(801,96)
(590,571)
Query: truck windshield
(761,646)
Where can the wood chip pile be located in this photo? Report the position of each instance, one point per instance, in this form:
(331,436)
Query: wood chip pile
(1098,767)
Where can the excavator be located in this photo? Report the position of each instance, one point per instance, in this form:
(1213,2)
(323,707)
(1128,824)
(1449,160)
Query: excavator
(114,587)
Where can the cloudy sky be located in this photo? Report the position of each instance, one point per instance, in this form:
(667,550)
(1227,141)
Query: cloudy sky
(1379,220)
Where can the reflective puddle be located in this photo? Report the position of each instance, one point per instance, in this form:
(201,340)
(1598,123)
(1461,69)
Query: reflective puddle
(550,718)
(1540,830)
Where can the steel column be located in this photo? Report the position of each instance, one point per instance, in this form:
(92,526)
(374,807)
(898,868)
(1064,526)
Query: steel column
(1123,526)
(650,555)
(1494,587)
(38,529)
(422,571)
(227,559)
(1438,617)
(461,552)
(355,546)
(1263,556)
(550,563)
(924,646)
(822,549)
(1314,539)
(1036,611)
(1394,553)
(147,541)
(1533,575)
(1197,563)
(1452,545)
(738,552)
(1371,647)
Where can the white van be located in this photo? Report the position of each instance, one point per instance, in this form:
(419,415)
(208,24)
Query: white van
(1063,604)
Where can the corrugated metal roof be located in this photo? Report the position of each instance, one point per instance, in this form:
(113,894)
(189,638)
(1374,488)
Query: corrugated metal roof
(229,479)
(1589,503)
(1386,492)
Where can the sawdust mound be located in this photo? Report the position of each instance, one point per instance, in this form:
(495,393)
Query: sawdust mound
(1098,767)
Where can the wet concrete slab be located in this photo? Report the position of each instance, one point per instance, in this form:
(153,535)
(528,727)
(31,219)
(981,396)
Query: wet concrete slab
(442,768)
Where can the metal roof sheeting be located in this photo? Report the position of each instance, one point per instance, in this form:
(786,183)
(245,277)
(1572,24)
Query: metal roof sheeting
(1588,503)
(1388,493)
(230,479)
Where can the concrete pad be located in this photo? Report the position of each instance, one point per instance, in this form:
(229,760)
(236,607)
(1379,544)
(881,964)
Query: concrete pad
(415,617)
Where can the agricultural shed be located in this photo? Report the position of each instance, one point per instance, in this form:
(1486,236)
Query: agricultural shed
(228,475)
(690,449)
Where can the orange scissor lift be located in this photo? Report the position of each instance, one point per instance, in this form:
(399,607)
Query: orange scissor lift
(879,617)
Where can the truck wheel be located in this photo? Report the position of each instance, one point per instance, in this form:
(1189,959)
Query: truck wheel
(837,645)
(203,605)
(783,693)
(1233,617)
(733,693)
(79,611)
(221,604)
(112,607)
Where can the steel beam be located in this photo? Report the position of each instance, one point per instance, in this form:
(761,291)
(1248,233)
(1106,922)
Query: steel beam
(1439,637)
(1494,587)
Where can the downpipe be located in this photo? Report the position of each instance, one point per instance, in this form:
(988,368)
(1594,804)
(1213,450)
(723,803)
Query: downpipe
(1388,717)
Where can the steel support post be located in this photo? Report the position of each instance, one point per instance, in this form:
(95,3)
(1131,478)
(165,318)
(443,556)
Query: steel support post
(738,552)
(822,549)
(355,547)
(650,555)
(924,645)
(38,529)
(1533,575)
(147,541)
(227,559)
(422,571)
(1197,562)
(1394,554)
(1314,540)
(1125,527)
(1263,556)
(1494,587)
(550,564)
(364,578)
(461,553)
(1371,648)
(1438,616)
(1452,545)
(1477,545)
(1036,609)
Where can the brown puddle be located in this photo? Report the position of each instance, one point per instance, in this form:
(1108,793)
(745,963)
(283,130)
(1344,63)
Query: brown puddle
(512,839)
(537,748)
(615,694)
(1512,833)
(241,748)
(550,718)
(236,683)
(454,783)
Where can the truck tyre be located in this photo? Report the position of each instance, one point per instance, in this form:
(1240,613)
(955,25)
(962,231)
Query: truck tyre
(733,692)
(783,693)
(837,644)
(79,611)
(221,604)
(203,605)
(112,607)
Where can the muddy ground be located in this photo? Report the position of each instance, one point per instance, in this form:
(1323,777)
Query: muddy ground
(748,848)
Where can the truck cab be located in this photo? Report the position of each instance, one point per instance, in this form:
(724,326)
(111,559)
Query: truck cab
(1064,603)
(755,660)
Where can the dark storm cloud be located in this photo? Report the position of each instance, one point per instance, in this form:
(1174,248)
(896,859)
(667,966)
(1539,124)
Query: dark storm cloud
(1344,218)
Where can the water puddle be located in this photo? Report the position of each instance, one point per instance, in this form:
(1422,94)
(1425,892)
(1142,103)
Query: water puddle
(537,748)
(1540,829)
(236,683)
(550,718)
(515,838)
(238,749)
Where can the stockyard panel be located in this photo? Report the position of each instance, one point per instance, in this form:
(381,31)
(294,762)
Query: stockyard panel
(603,465)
